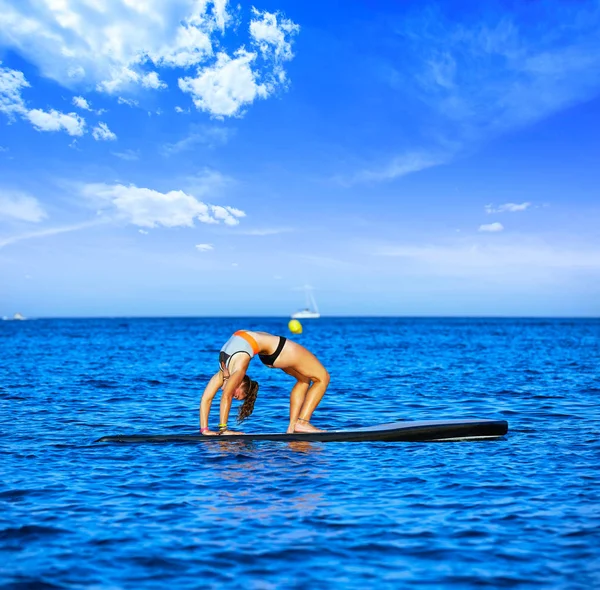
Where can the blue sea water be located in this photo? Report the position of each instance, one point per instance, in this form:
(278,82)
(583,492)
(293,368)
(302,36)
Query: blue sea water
(519,512)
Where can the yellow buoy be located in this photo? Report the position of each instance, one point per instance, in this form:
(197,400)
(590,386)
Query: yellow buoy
(295,327)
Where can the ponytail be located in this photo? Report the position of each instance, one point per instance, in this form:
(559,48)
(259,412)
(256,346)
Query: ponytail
(246,409)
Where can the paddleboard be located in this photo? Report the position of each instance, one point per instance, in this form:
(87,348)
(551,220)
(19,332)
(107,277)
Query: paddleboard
(409,431)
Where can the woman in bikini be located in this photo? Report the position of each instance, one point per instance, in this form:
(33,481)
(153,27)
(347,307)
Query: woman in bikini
(276,352)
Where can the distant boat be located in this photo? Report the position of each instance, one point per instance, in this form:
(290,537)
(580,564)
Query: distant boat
(17,316)
(310,312)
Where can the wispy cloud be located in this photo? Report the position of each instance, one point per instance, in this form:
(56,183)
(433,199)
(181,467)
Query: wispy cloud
(507,208)
(48,232)
(207,182)
(478,257)
(210,136)
(127,155)
(265,232)
(20,206)
(325,262)
(84,104)
(474,81)
(402,165)
(204,247)
(130,102)
(102,133)
(491,227)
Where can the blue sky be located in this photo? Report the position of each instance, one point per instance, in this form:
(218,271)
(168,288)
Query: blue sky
(186,157)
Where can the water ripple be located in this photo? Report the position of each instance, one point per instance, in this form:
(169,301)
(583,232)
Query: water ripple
(521,512)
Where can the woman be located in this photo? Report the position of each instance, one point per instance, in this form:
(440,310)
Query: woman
(276,352)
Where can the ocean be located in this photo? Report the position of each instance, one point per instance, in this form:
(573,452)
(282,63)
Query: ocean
(519,512)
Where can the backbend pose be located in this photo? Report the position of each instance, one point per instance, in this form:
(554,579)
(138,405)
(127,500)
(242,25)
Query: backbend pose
(276,352)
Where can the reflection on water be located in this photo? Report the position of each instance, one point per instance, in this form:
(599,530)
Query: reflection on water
(303,446)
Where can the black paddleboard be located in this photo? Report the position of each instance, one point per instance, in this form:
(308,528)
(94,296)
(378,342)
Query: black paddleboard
(417,431)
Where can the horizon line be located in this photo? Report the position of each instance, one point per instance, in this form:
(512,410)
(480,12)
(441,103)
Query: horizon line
(310,320)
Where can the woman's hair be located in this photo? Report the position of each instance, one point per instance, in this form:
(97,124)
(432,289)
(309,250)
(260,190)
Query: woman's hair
(251,390)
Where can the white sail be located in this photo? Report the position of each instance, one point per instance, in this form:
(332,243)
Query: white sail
(310,312)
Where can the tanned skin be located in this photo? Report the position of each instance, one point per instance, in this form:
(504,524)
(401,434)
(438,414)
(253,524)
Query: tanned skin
(312,380)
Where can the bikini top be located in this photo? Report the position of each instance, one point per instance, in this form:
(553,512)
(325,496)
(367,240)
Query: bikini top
(241,341)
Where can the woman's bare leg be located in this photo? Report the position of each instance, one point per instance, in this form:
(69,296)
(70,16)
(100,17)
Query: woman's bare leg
(297,361)
(297,396)
(311,401)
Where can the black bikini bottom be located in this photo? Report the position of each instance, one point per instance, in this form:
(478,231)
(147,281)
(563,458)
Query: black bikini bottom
(269,359)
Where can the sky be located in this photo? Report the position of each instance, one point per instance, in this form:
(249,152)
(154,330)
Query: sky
(197,158)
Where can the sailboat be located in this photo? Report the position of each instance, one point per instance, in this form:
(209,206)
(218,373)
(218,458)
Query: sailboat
(17,316)
(310,312)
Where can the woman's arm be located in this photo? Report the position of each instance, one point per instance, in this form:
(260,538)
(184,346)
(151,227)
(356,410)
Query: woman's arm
(215,383)
(235,380)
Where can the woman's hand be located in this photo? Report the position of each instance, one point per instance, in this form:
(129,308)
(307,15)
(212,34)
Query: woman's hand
(210,433)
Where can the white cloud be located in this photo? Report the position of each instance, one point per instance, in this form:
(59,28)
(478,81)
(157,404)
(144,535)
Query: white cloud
(12,103)
(149,208)
(128,155)
(110,43)
(118,45)
(228,215)
(20,206)
(507,208)
(204,247)
(272,34)
(191,46)
(491,227)
(103,133)
(152,80)
(180,110)
(225,88)
(121,79)
(82,103)
(11,84)
(143,232)
(53,120)
(230,84)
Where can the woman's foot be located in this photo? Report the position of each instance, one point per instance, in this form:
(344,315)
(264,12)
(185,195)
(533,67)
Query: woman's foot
(305,426)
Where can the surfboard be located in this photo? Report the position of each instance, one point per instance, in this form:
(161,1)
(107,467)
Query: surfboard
(408,431)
